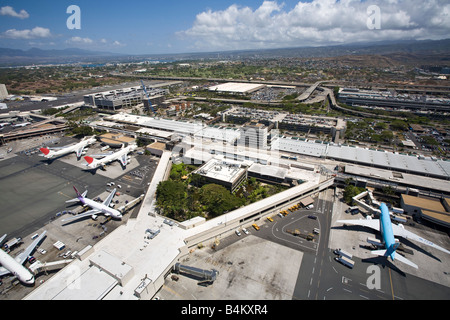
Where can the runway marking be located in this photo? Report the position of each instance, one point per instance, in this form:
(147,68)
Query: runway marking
(63,194)
(172,291)
(392,287)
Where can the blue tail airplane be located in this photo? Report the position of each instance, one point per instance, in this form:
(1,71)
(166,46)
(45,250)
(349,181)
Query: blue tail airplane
(388,231)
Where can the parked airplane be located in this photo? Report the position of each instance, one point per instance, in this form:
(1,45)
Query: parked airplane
(19,125)
(388,231)
(15,265)
(96,208)
(120,155)
(78,148)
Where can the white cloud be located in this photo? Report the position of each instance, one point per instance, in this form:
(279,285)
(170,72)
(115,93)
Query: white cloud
(319,22)
(100,43)
(9,11)
(36,32)
(118,44)
(79,40)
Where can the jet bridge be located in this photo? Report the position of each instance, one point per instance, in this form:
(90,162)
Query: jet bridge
(204,276)
(130,204)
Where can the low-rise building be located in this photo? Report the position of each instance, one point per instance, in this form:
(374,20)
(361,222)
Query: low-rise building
(430,209)
(227,173)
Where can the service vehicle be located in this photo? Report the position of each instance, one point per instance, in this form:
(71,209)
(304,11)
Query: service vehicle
(345,261)
(341,252)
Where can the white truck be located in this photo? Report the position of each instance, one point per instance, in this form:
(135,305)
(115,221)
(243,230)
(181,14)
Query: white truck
(345,261)
(343,253)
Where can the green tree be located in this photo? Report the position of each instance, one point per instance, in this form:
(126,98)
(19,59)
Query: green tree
(82,131)
(399,125)
(218,200)
(171,197)
(350,191)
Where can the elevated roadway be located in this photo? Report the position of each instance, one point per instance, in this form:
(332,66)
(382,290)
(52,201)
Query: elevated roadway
(308,92)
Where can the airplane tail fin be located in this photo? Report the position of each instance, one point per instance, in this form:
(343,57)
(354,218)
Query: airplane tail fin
(88,159)
(77,199)
(79,195)
(45,151)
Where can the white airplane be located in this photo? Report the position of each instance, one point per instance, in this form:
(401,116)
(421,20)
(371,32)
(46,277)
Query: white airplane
(15,266)
(121,155)
(96,208)
(388,231)
(78,148)
(4,124)
(18,125)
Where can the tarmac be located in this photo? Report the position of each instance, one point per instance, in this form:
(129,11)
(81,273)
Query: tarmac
(257,268)
(26,211)
(248,269)
(433,264)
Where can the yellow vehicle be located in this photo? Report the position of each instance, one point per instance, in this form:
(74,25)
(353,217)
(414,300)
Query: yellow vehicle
(255,226)
(270,219)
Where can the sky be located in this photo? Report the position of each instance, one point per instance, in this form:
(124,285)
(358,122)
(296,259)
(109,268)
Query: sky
(179,26)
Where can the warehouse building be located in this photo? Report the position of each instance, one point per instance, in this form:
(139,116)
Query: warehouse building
(237,87)
(125,98)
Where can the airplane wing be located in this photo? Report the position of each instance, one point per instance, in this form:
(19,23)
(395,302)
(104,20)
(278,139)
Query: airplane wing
(373,224)
(101,155)
(82,215)
(401,232)
(24,255)
(3,238)
(109,198)
(4,271)
(56,148)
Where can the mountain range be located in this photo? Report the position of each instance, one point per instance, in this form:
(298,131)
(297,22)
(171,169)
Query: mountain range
(71,55)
